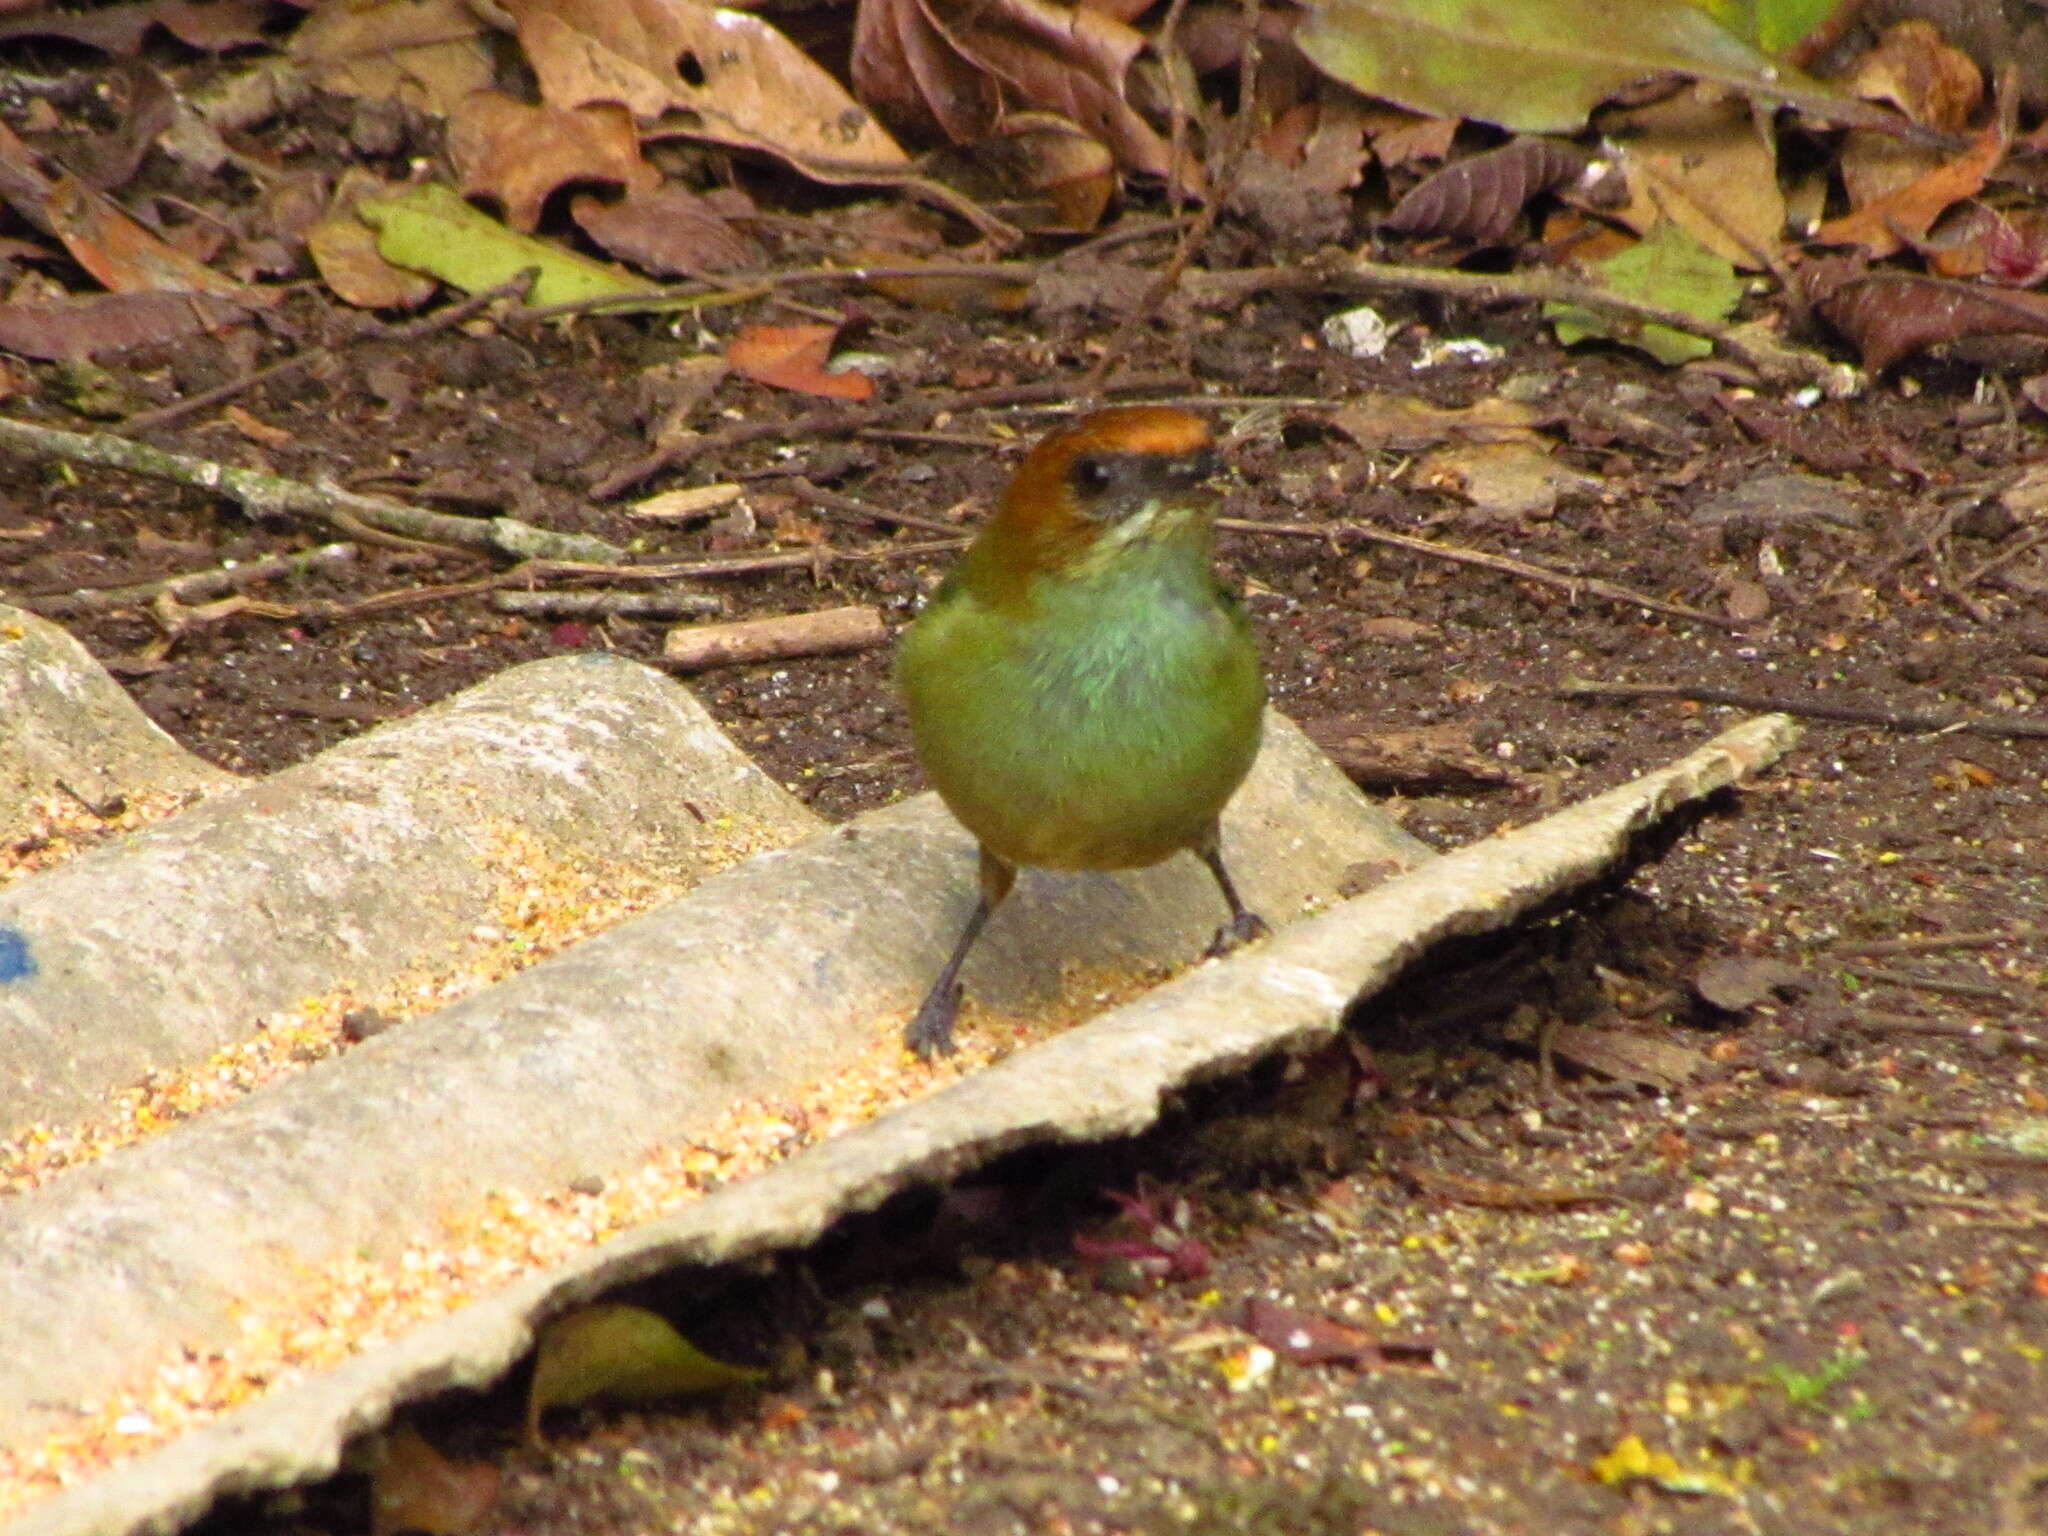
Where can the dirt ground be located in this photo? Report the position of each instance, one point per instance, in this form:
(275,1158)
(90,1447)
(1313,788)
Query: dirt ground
(1791,1275)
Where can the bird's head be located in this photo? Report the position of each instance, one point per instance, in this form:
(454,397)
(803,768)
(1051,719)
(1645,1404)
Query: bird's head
(1091,493)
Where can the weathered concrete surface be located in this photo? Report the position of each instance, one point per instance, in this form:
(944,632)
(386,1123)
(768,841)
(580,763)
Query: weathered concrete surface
(758,981)
(1105,1078)
(374,859)
(68,727)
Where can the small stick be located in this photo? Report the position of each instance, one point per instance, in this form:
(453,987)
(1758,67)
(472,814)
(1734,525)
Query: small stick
(1932,943)
(844,421)
(1811,709)
(1972,989)
(1459,555)
(600,603)
(2012,551)
(846,506)
(695,647)
(193,586)
(267,495)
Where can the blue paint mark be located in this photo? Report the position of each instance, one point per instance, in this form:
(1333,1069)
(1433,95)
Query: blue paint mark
(16,964)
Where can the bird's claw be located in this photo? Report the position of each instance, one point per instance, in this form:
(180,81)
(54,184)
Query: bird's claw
(930,1033)
(1241,929)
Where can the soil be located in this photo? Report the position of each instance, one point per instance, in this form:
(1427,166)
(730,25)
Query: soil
(1790,1275)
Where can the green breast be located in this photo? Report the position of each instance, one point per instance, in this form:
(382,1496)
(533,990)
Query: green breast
(1102,725)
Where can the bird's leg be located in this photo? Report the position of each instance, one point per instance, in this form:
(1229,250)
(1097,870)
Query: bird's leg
(931,1031)
(1245,924)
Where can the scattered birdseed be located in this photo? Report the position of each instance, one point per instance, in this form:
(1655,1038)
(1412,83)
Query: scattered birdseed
(356,1302)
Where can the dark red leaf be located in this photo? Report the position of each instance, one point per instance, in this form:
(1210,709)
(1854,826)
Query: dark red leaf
(1890,316)
(1479,198)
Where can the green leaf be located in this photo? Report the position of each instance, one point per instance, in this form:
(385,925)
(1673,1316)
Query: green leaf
(1538,66)
(1667,268)
(613,1350)
(429,228)
(1776,26)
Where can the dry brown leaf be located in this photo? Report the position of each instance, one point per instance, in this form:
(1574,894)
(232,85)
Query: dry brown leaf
(426,53)
(413,1487)
(1043,173)
(794,357)
(213,27)
(344,250)
(668,232)
(1886,226)
(1699,160)
(1913,67)
(122,255)
(1627,1055)
(1504,479)
(1892,315)
(961,68)
(1415,138)
(101,323)
(519,154)
(700,71)
(1402,423)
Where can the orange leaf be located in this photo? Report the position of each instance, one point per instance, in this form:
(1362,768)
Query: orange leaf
(794,357)
(1887,225)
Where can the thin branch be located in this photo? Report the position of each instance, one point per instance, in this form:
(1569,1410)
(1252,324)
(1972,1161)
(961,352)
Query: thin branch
(193,586)
(1932,943)
(836,505)
(602,604)
(1591,586)
(267,495)
(1938,984)
(1811,709)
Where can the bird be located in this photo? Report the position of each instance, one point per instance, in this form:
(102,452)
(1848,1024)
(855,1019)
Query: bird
(1084,692)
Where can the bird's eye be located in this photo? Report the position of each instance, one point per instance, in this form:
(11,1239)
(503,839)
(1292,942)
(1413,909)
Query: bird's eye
(1091,474)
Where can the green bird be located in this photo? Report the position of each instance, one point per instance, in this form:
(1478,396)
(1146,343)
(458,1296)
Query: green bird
(1083,692)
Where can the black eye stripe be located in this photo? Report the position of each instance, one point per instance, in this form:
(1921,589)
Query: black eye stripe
(1094,473)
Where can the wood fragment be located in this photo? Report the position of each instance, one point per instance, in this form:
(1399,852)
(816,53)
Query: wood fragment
(1591,586)
(1937,984)
(1987,939)
(1810,709)
(600,603)
(267,495)
(193,586)
(695,647)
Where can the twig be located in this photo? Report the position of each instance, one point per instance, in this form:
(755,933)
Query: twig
(1771,362)
(587,604)
(1971,989)
(847,506)
(267,495)
(1811,709)
(843,421)
(1456,554)
(440,320)
(2011,552)
(814,560)
(1230,163)
(193,586)
(1933,943)
(694,647)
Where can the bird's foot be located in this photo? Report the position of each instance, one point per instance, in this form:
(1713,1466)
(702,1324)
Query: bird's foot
(1241,929)
(931,1033)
